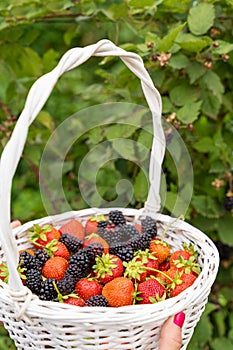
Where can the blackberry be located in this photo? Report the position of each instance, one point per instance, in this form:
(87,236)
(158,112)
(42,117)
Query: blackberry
(135,243)
(149,224)
(47,290)
(34,280)
(72,243)
(228,202)
(41,256)
(102,225)
(145,240)
(130,231)
(66,285)
(94,250)
(225,251)
(96,300)
(79,264)
(116,217)
(125,253)
(113,236)
(26,260)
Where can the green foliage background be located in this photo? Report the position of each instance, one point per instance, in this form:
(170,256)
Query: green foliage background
(188,50)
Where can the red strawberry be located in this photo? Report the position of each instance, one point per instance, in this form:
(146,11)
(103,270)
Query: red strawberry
(95,238)
(92,224)
(176,256)
(183,260)
(135,270)
(119,292)
(150,292)
(143,265)
(55,268)
(108,267)
(73,228)
(41,235)
(57,248)
(87,287)
(164,266)
(160,249)
(182,282)
(74,301)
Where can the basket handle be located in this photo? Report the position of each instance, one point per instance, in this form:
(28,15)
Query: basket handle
(35,101)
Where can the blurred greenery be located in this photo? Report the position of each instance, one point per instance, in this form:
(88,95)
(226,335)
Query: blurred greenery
(187,48)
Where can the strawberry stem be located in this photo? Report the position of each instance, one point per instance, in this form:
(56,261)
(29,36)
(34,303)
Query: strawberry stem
(181,217)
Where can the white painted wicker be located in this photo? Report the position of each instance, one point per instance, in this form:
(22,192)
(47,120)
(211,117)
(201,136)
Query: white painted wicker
(36,324)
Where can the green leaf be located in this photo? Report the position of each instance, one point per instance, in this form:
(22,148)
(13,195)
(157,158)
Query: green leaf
(203,333)
(178,61)
(140,3)
(166,43)
(201,18)
(119,130)
(195,70)
(204,145)
(206,206)
(182,94)
(213,83)
(192,43)
(222,343)
(189,112)
(167,105)
(225,230)
(32,200)
(46,119)
(223,48)
(211,105)
(124,148)
(141,187)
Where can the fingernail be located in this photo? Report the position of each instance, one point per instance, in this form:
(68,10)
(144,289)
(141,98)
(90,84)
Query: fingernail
(179,319)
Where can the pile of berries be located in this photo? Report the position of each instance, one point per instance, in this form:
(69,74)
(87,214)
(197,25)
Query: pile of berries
(107,261)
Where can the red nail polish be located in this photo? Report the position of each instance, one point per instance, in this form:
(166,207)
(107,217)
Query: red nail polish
(179,319)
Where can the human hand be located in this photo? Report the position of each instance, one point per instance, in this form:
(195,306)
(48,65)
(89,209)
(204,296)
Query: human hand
(170,336)
(15,223)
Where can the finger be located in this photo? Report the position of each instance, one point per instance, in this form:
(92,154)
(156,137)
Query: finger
(15,223)
(171,336)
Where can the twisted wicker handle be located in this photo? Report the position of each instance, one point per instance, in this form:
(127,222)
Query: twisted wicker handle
(36,99)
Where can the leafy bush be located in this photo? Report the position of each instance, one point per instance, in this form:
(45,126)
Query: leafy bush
(186,47)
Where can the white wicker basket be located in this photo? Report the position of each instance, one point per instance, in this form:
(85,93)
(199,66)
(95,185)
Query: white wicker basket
(36,324)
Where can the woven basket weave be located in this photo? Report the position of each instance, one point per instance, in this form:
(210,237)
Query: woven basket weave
(36,324)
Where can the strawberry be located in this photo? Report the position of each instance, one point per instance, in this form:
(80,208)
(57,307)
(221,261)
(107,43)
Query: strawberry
(57,248)
(143,264)
(73,228)
(168,276)
(181,282)
(55,268)
(91,225)
(108,267)
(74,301)
(150,292)
(119,292)
(135,270)
(95,238)
(87,287)
(183,260)
(164,266)
(160,249)
(149,261)
(176,256)
(41,235)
